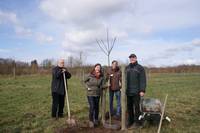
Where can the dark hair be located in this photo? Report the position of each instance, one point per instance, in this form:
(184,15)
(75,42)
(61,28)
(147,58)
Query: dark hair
(114,61)
(93,69)
(132,56)
(98,64)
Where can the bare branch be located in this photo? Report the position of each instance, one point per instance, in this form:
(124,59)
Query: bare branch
(104,45)
(108,39)
(113,43)
(101,47)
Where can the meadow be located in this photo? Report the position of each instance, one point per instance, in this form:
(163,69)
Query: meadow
(25,103)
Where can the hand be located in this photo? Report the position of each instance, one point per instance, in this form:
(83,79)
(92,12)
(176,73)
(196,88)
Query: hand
(64,70)
(105,87)
(120,85)
(141,94)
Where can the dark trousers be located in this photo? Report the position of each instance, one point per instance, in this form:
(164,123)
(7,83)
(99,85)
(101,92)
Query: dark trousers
(133,106)
(94,107)
(58,102)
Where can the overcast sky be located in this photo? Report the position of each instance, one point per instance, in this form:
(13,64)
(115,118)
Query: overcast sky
(159,32)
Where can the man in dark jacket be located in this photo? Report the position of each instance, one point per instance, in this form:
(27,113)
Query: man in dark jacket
(58,89)
(136,84)
(115,78)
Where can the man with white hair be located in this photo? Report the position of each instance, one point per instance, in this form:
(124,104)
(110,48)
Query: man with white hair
(58,88)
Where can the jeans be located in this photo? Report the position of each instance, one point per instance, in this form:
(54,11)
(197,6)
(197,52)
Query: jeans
(118,99)
(94,107)
(58,102)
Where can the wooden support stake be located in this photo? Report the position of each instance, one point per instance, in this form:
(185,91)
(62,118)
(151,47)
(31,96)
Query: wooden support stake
(163,111)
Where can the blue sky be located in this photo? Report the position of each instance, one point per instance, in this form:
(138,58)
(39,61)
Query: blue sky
(160,32)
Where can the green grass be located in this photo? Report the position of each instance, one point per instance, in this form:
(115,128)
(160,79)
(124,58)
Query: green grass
(25,103)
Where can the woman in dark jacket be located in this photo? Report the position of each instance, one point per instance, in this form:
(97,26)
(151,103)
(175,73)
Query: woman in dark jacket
(94,85)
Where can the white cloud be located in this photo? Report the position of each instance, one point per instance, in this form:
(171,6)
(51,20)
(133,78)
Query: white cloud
(10,17)
(196,42)
(125,16)
(42,38)
(174,54)
(78,10)
(166,15)
(75,25)
(191,61)
(85,41)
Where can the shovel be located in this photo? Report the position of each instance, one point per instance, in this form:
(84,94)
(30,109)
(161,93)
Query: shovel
(70,121)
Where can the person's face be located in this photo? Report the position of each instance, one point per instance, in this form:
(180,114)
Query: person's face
(114,65)
(133,59)
(61,63)
(97,68)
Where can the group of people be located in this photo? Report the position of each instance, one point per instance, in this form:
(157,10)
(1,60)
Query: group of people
(96,81)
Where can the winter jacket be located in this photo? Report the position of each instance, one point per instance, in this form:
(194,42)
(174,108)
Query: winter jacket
(135,79)
(115,76)
(57,84)
(93,85)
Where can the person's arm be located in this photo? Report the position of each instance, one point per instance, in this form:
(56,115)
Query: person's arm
(57,72)
(103,84)
(68,75)
(142,81)
(87,78)
(107,75)
(120,79)
(126,77)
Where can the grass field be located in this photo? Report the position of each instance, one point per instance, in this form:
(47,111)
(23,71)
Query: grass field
(25,103)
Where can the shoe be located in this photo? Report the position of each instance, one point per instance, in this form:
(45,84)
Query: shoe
(61,116)
(117,117)
(128,125)
(135,125)
(96,123)
(91,124)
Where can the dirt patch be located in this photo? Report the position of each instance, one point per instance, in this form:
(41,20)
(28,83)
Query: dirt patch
(100,129)
(82,127)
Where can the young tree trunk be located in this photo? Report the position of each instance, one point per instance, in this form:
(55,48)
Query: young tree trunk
(123,100)
(103,109)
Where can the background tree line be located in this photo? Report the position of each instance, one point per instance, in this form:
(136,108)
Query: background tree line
(76,66)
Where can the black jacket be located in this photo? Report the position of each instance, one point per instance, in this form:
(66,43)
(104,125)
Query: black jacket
(135,79)
(57,84)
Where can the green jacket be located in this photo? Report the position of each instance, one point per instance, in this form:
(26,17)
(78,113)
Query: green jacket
(93,85)
(135,79)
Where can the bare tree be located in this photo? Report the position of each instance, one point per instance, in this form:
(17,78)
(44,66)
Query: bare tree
(106,48)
